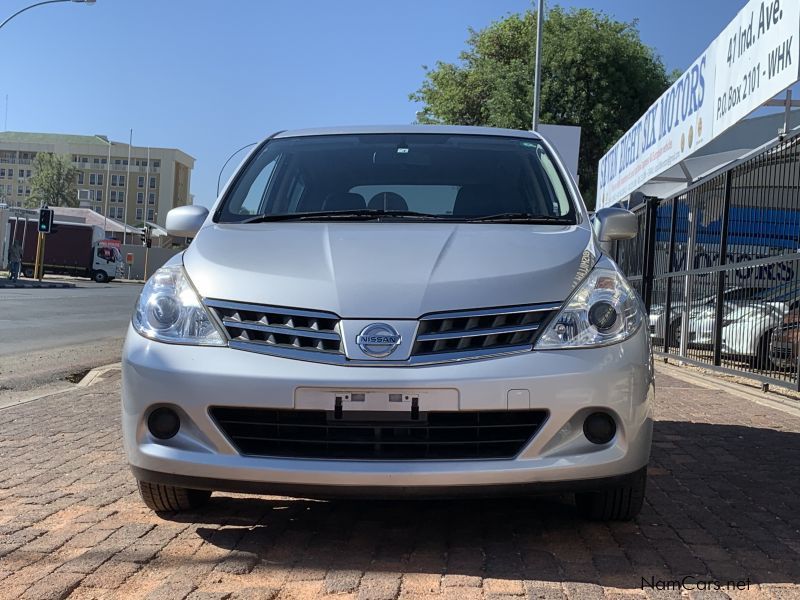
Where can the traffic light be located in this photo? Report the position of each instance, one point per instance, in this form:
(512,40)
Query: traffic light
(45,220)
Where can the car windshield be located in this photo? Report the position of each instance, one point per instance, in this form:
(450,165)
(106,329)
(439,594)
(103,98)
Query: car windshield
(419,176)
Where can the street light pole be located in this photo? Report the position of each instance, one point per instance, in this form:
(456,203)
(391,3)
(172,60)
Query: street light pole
(537,77)
(40,4)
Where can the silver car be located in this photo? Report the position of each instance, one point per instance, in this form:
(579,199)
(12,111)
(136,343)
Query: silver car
(394,311)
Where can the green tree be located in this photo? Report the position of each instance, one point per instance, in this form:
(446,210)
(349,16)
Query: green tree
(53,181)
(596,73)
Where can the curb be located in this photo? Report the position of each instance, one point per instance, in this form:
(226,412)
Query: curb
(96,373)
(709,382)
(88,380)
(35,285)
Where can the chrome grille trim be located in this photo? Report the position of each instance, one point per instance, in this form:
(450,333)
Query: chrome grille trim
(480,333)
(449,335)
(315,336)
(294,312)
(485,312)
(288,332)
(298,331)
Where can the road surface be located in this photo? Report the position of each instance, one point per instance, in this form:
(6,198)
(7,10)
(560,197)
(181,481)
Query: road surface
(48,334)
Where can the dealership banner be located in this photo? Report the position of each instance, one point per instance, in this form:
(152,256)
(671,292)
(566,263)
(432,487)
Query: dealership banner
(755,58)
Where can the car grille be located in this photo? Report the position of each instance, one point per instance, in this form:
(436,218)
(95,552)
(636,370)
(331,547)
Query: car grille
(278,330)
(481,332)
(378,435)
(441,337)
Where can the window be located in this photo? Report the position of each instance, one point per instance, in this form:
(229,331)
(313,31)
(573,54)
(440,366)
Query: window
(140,181)
(460,177)
(139,197)
(120,215)
(83,194)
(114,179)
(19,190)
(112,211)
(152,183)
(84,159)
(117,161)
(122,180)
(27,191)
(139,214)
(8,189)
(11,172)
(99,179)
(150,214)
(96,161)
(125,161)
(28,173)
(2,172)
(92,179)
(120,196)
(103,161)
(99,195)
(156,163)
(151,198)
(251,205)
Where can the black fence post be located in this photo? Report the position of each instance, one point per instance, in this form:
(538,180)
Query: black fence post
(670,266)
(651,208)
(723,259)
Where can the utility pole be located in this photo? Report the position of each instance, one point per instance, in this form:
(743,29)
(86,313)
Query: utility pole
(537,75)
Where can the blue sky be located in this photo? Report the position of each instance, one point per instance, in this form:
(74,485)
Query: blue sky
(210,76)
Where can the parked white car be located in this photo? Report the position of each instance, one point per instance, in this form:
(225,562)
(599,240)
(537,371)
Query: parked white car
(660,324)
(746,326)
(398,311)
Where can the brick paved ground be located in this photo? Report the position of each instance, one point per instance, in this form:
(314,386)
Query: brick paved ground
(722,504)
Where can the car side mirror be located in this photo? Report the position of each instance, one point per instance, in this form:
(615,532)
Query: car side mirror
(186,221)
(614,223)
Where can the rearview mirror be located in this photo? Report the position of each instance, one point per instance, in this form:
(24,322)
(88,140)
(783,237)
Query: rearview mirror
(614,223)
(186,221)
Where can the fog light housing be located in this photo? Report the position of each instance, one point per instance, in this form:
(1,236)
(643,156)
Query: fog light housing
(163,423)
(599,428)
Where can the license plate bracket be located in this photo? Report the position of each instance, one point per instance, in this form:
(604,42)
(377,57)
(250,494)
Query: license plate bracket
(376,400)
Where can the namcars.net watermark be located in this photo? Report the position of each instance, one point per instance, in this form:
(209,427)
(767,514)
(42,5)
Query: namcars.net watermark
(692,583)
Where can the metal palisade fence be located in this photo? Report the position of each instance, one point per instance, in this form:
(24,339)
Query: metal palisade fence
(718,267)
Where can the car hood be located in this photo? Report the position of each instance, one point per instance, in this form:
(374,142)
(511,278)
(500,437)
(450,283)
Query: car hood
(389,270)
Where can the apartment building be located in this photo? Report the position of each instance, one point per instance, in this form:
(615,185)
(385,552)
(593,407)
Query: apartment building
(136,190)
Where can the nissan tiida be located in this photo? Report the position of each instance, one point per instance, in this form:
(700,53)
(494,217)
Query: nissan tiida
(412,311)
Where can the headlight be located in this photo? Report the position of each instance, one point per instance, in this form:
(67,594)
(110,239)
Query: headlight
(602,310)
(169,310)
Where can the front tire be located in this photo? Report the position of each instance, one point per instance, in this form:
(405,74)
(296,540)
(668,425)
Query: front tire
(621,503)
(167,498)
(100,276)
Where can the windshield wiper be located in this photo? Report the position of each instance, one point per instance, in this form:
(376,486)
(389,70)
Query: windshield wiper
(523,217)
(357,214)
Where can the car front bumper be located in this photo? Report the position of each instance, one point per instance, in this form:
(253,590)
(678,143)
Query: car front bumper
(569,384)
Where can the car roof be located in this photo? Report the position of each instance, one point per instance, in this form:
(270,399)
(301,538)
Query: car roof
(425,129)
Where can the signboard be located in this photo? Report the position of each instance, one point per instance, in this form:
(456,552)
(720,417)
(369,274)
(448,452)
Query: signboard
(676,125)
(129,258)
(110,243)
(757,58)
(752,60)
